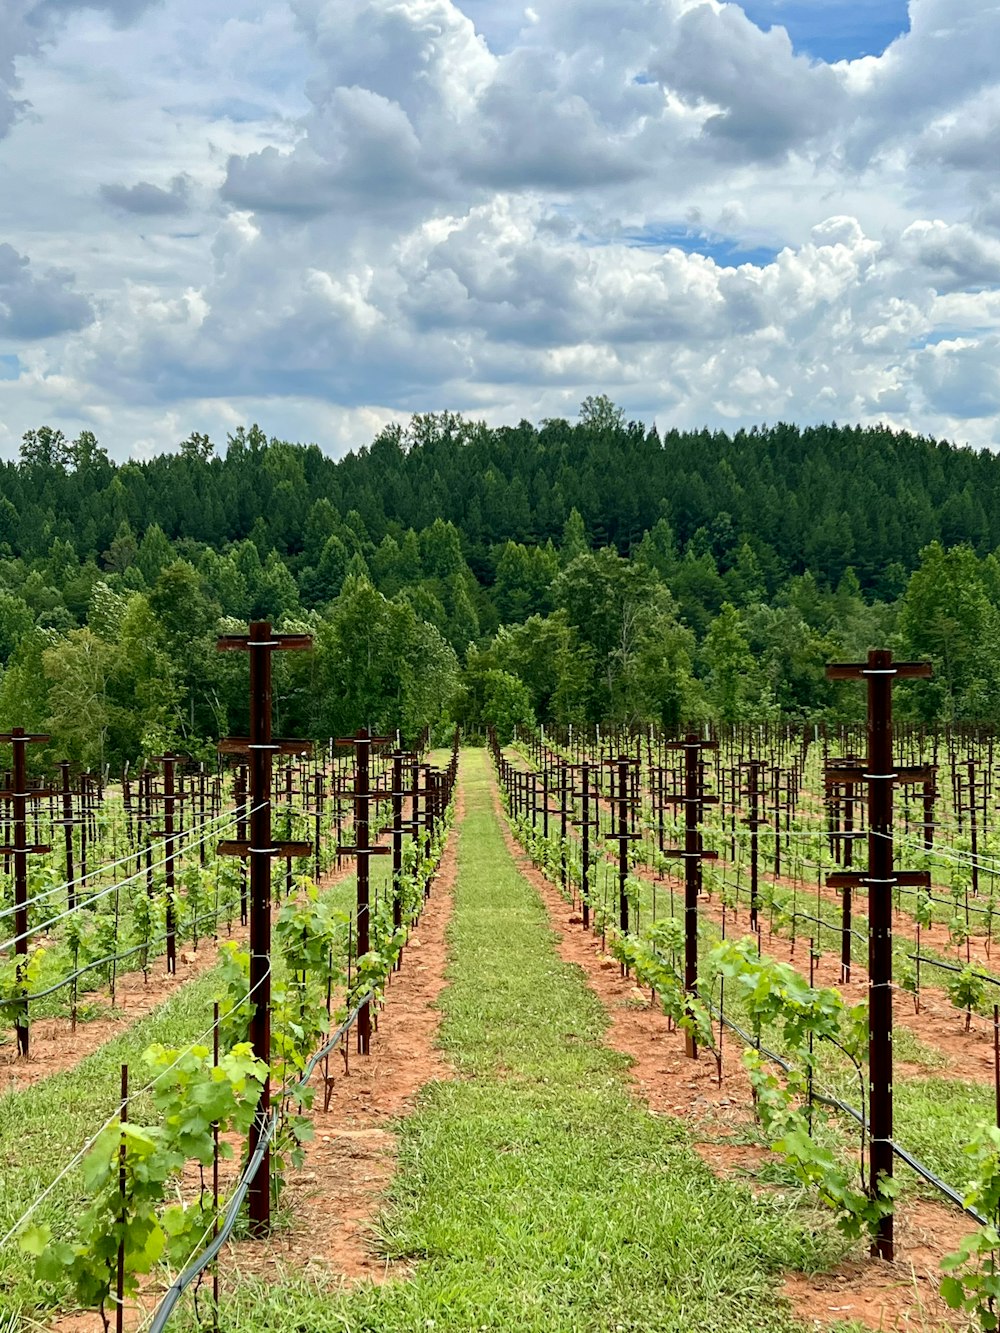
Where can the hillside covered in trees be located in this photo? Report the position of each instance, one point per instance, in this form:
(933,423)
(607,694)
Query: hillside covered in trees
(451,571)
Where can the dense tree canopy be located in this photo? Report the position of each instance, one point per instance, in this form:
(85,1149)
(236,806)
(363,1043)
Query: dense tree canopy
(561,572)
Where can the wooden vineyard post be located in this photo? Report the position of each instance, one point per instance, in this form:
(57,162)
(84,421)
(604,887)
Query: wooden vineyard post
(563,820)
(317,796)
(973,826)
(364,851)
(241,795)
(168,834)
(847,861)
(67,823)
(398,829)
(693,853)
(17,798)
(930,795)
(622,832)
(202,844)
(881,776)
(260,643)
(841,792)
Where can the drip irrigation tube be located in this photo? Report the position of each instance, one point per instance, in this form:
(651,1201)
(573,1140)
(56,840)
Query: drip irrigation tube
(198,1265)
(912,1162)
(112,958)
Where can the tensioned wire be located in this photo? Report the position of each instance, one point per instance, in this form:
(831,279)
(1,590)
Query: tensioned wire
(103,869)
(81,1153)
(120,884)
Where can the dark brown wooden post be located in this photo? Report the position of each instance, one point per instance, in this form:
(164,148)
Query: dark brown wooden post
(67,822)
(623,835)
(754,822)
(260,747)
(694,800)
(881,776)
(973,826)
(170,799)
(363,850)
(563,821)
(17,803)
(585,825)
(398,796)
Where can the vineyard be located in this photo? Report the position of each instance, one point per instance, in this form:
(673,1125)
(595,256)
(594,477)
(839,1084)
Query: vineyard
(331,1034)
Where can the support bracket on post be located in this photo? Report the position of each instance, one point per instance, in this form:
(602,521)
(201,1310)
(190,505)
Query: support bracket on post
(693,853)
(880,776)
(260,748)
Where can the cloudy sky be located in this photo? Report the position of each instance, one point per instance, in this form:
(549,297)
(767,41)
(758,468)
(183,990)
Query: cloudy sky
(324,215)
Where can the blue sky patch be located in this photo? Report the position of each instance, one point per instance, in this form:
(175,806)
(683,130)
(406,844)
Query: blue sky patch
(946,335)
(10,367)
(833,30)
(727,252)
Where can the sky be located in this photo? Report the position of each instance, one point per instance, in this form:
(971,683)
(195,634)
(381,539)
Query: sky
(327,215)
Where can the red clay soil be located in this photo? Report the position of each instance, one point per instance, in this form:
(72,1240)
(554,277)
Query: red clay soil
(334,1200)
(938,1025)
(936,936)
(55,1047)
(881,1296)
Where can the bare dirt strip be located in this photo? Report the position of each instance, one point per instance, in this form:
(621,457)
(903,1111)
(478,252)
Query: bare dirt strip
(331,1205)
(878,1295)
(55,1047)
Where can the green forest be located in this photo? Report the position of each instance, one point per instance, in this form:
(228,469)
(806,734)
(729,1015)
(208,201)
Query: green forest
(580,572)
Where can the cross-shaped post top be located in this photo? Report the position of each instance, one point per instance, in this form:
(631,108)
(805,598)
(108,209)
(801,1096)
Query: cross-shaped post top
(260,636)
(692,741)
(363,736)
(18,736)
(879,663)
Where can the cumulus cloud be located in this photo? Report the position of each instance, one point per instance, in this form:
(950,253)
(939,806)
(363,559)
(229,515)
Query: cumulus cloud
(499,211)
(17,38)
(368,157)
(961,376)
(766,99)
(38,305)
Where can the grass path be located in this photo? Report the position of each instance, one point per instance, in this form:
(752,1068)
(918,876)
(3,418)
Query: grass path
(534,1191)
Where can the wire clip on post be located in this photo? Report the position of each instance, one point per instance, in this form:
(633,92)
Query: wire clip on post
(694,801)
(260,643)
(881,777)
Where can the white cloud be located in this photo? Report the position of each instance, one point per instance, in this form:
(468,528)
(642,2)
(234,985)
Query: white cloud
(336,210)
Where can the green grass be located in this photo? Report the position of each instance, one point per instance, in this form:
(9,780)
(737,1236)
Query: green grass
(42,1127)
(534,1191)
(935,1117)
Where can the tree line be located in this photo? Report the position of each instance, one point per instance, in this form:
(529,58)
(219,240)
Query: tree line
(586,572)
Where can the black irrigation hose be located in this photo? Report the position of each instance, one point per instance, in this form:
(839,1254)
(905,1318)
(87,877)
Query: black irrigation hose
(198,1265)
(951,967)
(828,925)
(852,1111)
(112,958)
